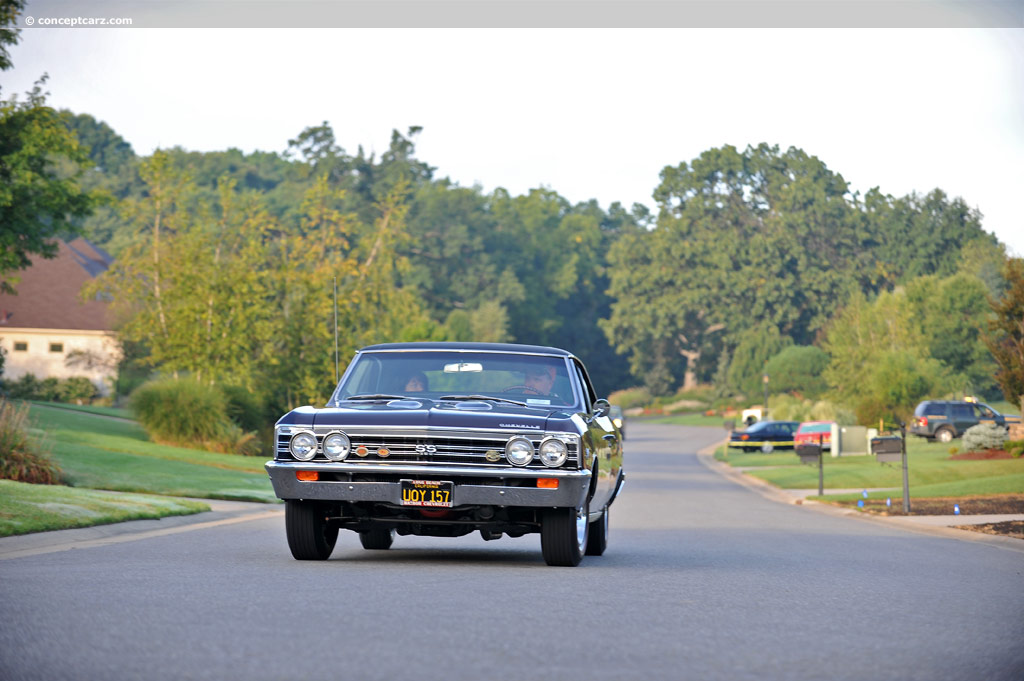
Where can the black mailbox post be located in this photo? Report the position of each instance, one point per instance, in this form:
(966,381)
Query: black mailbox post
(893,449)
(811,454)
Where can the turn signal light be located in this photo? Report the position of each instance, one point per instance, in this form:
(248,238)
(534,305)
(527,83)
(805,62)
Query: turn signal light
(547,483)
(307,476)
(744,437)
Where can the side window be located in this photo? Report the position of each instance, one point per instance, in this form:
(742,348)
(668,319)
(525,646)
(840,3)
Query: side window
(588,390)
(983,412)
(962,411)
(935,409)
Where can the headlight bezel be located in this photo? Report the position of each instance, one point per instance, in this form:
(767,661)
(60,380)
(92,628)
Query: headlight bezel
(519,460)
(560,457)
(327,445)
(308,456)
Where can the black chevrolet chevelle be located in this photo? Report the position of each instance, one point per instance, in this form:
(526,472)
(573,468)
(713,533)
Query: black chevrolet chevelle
(444,439)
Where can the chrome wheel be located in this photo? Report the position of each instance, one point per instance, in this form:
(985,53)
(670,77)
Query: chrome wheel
(944,435)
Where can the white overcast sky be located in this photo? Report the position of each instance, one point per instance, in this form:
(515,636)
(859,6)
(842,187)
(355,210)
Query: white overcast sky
(589,113)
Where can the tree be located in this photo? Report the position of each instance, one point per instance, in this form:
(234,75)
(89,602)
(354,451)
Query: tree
(9,11)
(953,313)
(741,239)
(750,360)
(41,164)
(879,358)
(798,369)
(1005,337)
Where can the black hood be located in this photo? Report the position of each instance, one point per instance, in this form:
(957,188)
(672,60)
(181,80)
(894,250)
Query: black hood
(444,414)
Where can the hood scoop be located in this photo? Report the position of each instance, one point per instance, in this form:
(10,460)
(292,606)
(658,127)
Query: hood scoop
(473,405)
(405,404)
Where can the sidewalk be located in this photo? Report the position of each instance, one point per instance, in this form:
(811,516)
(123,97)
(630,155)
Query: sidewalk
(944,525)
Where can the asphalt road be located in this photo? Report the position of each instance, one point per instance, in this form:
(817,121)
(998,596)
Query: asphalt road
(703,579)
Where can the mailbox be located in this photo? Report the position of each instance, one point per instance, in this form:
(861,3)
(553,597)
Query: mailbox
(887,448)
(808,453)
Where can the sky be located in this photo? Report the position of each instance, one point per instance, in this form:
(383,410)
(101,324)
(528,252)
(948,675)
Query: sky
(589,113)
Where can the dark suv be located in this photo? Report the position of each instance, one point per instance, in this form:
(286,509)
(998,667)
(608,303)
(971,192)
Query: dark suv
(944,420)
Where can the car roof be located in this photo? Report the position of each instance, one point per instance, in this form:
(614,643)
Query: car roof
(469,347)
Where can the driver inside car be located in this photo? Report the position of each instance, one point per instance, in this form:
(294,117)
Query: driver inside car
(539,379)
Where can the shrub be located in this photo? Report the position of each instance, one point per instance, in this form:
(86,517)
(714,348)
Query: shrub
(789,408)
(243,408)
(630,398)
(179,411)
(984,436)
(21,459)
(1014,447)
(75,389)
(189,413)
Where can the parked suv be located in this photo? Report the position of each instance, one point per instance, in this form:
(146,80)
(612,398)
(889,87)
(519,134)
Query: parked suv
(944,420)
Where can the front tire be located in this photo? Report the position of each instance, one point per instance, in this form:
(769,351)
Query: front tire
(310,535)
(597,535)
(563,536)
(767,448)
(377,539)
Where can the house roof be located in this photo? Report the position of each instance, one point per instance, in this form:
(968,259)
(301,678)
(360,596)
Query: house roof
(48,293)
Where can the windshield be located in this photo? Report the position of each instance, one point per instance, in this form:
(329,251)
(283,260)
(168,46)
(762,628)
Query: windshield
(531,379)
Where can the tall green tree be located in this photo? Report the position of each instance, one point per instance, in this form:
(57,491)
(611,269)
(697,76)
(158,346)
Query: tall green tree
(41,197)
(741,239)
(9,11)
(880,362)
(1005,336)
(953,314)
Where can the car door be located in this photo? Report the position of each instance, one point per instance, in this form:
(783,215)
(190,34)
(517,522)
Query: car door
(986,414)
(962,417)
(602,438)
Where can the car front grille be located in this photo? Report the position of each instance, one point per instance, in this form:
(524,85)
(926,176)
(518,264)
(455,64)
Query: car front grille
(427,447)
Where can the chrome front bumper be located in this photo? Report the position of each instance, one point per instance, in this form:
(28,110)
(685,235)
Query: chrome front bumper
(571,492)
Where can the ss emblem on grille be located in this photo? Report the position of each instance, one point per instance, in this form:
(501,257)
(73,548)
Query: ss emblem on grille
(426,449)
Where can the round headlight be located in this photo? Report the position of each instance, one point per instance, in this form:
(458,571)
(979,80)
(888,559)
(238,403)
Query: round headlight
(303,446)
(553,452)
(519,451)
(337,446)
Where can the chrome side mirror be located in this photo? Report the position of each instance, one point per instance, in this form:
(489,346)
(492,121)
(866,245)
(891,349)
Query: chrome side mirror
(602,408)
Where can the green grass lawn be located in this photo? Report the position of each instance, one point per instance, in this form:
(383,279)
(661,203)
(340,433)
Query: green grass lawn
(89,409)
(931,472)
(105,453)
(37,508)
(693,419)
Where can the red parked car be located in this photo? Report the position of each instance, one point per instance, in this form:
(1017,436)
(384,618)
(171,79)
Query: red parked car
(809,432)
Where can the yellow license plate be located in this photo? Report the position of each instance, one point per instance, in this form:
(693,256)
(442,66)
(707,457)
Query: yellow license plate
(432,493)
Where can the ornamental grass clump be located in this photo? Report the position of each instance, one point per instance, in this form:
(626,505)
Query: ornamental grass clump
(186,412)
(984,436)
(22,459)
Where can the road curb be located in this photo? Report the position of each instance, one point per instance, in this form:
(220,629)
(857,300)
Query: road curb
(221,513)
(769,491)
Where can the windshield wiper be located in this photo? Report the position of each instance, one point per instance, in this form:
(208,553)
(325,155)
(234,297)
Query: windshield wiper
(482,397)
(374,397)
